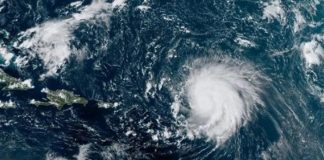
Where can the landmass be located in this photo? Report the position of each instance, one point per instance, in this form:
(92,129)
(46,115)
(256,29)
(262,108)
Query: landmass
(8,82)
(59,98)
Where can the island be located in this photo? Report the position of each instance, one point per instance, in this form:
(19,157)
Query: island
(9,83)
(59,98)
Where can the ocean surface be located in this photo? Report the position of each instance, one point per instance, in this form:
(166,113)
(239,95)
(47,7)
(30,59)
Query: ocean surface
(165,79)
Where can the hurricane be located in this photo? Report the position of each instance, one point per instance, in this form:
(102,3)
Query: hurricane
(222,96)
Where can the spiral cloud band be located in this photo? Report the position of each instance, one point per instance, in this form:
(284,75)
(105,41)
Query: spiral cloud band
(222,97)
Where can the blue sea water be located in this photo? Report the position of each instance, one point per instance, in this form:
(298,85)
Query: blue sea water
(139,54)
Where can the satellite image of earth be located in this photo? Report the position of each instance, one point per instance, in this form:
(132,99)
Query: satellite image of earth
(161,79)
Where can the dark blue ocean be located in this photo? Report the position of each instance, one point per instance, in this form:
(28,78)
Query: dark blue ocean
(184,79)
